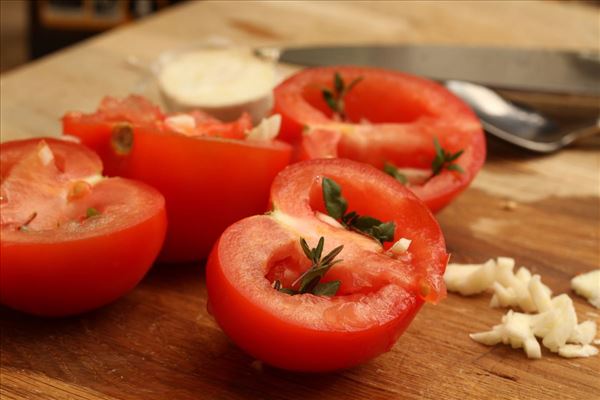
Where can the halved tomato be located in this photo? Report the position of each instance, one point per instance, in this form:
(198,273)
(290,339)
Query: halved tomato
(380,290)
(71,240)
(389,118)
(210,176)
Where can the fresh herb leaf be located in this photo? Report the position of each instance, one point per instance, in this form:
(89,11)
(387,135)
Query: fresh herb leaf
(395,173)
(327,288)
(455,155)
(382,231)
(310,280)
(336,206)
(328,259)
(318,251)
(455,167)
(335,99)
(354,82)
(444,160)
(91,212)
(306,249)
(277,286)
(338,83)
(330,100)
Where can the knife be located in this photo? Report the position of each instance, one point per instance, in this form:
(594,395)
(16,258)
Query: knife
(530,70)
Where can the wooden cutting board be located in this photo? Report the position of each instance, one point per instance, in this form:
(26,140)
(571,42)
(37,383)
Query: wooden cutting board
(159,342)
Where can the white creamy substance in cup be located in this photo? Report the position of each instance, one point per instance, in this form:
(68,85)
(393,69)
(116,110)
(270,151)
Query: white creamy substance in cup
(221,81)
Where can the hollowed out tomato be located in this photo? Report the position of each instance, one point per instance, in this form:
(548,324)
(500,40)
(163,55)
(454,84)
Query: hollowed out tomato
(71,240)
(210,176)
(391,117)
(380,291)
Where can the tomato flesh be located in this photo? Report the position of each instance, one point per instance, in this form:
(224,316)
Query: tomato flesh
(392,118)
(209,177)
(380,292)
(58,259)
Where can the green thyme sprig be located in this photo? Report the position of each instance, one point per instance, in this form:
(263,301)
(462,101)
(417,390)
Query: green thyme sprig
(335,99)
(395,173)
(310,280)
(444,160)
(91,212)
(336,206)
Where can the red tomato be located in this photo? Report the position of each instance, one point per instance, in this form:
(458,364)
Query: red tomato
(71,240)
(392,118)
(380,293)
(208,179)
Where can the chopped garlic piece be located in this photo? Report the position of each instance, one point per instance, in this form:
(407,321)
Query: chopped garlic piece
(588,285)
(507,279)
(267,130)
(468,279)
(540,294)
(503,297)
(181,123)
(515,330)
(401,246)
(93,179)
(563,323)
(584,333)
(519,289)
(576,350)
(45,153)
(69,138)
(523,275)
(555,321)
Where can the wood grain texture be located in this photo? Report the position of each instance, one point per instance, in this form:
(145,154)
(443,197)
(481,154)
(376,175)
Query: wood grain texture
(159,342)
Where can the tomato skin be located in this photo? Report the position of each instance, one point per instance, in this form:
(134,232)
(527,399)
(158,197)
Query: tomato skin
(208,182)
(404,113)
(314,333)
(208,185)
(289,346)
(59,272)
(66,278)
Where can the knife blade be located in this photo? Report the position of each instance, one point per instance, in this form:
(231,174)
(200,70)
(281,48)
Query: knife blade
(531,70)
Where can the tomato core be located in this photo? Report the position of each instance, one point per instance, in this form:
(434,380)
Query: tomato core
(122,138)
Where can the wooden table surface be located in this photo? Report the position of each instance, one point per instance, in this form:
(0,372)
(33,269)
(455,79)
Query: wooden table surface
(159,342)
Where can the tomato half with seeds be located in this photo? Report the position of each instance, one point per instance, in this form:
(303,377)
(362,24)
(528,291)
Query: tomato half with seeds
(380,291)
(71,240)
(210,175)
(387,119)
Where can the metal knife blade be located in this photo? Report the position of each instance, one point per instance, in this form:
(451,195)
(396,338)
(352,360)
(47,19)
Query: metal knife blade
(532,70)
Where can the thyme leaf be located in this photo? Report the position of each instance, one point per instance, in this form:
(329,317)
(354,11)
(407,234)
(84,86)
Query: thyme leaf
(310,280)
(336,206)
(91,212)
(395,173)
(335,99)
(327,288)
(444,160)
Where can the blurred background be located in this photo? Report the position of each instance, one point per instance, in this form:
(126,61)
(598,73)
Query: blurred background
(32,28)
